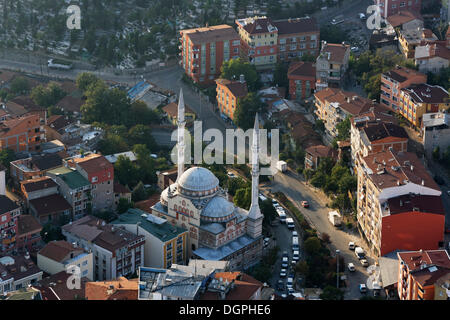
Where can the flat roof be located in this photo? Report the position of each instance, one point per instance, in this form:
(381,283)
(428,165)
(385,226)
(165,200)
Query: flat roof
(163,231)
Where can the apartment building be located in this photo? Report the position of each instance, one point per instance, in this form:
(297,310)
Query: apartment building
(259,41)
(33,167)
(28,233)
(398,201)
(203,51)
(396,79)
(379,137)
(419,99)
(17,272)
(117,252)
(51,209)
(391,7)
(38,188)
(410,39)
(435,132)
(265,41)
(334,105)
(420,271)
(405,20)
(314,154)
(164,244)
(100,173)
(22,134)
(75,188)
(228,94)
(432,57)
(302,80)
(59,256)
(297,37)
(9,213)
(331,65)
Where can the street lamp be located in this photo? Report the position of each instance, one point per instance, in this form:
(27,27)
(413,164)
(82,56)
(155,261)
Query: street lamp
(337,268)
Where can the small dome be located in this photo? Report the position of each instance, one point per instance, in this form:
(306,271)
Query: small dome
(198,181)
(164,198)
(217,209)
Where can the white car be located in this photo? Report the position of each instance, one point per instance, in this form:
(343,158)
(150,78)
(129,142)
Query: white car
(231,174)
(285,262)
(351,245)
(351,267)
(362,16)
(364,262)
(448,193)
(283,273)
(294,234)
(295,256)
(290,282)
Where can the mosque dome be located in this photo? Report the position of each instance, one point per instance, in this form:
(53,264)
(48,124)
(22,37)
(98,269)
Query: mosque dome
(218,209)
(198,182)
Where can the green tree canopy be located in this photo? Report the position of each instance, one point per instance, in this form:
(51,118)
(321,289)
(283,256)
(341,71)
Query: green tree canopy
(312,245)
(243,198)
(85,80)
(233,68)
(247,107)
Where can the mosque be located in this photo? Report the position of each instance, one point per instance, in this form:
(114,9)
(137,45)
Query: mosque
(218,229)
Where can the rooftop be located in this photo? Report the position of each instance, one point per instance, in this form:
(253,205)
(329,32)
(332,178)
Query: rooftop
(237,88)
(93,163)
(38,184)
(225,250)
(17,267)
(429,51)
(7,205)
(55,287)
(417,203)
(302,68)
(211,34)
(382,131)
(74,179)
(54,203)
(426,93)
(416,260)
(296,25)
(334,52)
(119,289)
(60,251)
(161,229)
(321,151)
(390,168)
(27,224)
(418,35)
(255,25)
(172,109)
(402,17)
(401,74)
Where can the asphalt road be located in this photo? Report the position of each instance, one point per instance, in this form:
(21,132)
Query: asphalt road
(297,191)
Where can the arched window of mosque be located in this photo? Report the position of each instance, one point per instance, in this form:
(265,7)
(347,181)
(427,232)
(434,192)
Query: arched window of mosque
(183,203)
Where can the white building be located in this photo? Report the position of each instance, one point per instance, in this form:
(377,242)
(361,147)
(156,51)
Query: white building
(17,272)
(435,132)
(59,256)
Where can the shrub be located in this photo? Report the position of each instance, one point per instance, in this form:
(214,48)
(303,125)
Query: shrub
(325,237)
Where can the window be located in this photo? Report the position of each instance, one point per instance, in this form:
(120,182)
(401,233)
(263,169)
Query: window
(85,263)
(282,41)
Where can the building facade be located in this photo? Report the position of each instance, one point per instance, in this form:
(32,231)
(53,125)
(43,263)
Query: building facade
(116,251)
(22,134)
(420,271)
(391,7)
(9,215)
(435,132)
(165,244)
(203,51)
(302,80)
(393,81)
(331,65)
(228,93)
(397,200)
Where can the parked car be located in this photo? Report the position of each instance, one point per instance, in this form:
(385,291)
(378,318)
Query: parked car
(283,273)
(266,242)
(285,254)
(448,193)
(359,252)
(364,262)
(295,256)
(305,204)
(285,262)
(231,174)
(294,233)
(362,16)
(290,282)
(290,290)
(351,245)
(362,288)
(351,267)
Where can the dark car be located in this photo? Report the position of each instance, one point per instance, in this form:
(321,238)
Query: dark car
(439,180)
(280,285)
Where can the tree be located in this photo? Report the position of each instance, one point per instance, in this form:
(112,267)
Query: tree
(51,232)
(233,68)
(268,210)
(332,293)
(280,78)
(312,245)
(308,57)
(333,34)
(48,96)
(343,129)
(302,268)
(235,184)
(141,134)
(247,107)
(123,205)
(139,193)
(125,171)
(19,85)
(85,80)
(243,198)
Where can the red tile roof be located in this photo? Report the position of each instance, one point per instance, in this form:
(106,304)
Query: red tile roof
(401,74)
(398,167)
(258,25)
(419,203)
(119,289)
(54,203)
(59,250)
(211,34)
(335,52)
(413,259)
(321,151)
(237,88)
(28,224)
(38,184)
(172,109)
(244,287)
(302,68)
(55,287)
(426,93)
(403,17)
(94,163)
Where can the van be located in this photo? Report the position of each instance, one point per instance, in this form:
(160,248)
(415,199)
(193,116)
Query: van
(282,217)
(295,243)
(359,252)
(290,223)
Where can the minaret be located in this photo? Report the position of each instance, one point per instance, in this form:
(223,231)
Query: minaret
(254,223)
(181,145)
